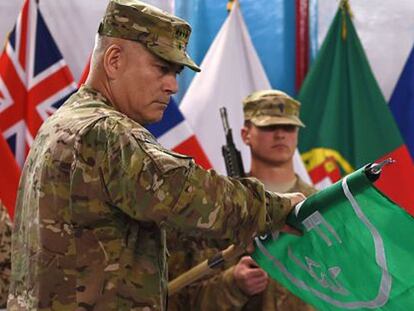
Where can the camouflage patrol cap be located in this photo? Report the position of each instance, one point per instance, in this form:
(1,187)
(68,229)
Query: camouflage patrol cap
(271,107)
(162,33)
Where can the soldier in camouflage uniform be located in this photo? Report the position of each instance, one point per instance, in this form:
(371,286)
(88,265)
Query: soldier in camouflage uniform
(5,247)
(271,131)
(97,191)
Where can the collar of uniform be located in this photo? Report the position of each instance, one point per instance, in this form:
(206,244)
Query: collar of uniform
(282,187)
(139,131)
(87,91)
(303,187)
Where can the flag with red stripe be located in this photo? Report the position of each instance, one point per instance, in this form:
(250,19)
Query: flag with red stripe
(302,41)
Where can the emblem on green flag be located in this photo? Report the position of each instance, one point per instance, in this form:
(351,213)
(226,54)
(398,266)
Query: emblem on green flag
(356,252)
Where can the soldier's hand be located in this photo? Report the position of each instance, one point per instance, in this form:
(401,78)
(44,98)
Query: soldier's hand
(249,277)
(294,197)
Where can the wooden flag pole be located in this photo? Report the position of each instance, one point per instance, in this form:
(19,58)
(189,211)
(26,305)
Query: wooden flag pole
(207,267)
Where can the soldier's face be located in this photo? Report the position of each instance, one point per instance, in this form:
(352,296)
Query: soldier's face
(274,145)
(145,85)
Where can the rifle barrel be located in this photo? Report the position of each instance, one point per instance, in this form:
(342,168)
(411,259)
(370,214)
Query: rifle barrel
(224,119)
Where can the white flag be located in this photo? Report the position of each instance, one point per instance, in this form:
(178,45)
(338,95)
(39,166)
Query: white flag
(230,71)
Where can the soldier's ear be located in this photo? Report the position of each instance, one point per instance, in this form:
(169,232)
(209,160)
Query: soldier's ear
(112,61)
(245,135)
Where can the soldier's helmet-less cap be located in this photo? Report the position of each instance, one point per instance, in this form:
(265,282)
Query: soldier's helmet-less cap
(271,107)
(162,33)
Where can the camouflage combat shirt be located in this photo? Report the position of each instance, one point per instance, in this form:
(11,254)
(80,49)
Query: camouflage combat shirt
(220,292)
(96,194)
(5,247)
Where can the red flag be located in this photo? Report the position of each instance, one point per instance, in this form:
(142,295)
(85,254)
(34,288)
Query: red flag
(9,177)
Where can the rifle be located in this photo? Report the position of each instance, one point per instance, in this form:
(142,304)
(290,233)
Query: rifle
(234,168)
(232,156)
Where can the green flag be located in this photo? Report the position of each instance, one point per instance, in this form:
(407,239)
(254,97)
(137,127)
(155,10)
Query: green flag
(348,121)
(356,253)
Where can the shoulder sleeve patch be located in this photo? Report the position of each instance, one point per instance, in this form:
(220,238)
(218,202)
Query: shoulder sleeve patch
(164,159)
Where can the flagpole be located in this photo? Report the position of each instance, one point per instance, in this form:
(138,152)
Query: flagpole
(206,267)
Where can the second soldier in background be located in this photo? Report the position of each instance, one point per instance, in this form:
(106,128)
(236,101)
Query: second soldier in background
(271,131)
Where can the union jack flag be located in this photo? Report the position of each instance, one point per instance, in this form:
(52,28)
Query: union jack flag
(34,80)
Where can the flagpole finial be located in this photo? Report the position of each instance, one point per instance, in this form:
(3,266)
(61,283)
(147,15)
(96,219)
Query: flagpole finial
(344,4)
(230,4)
(373,170)
(346,9)
(377,167)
